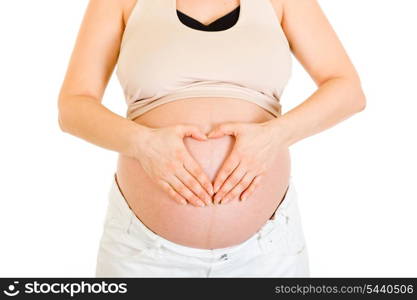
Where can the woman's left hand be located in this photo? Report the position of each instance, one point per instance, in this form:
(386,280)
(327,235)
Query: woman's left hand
(255,149)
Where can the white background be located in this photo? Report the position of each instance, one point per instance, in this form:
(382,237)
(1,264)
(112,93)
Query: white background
(356,181)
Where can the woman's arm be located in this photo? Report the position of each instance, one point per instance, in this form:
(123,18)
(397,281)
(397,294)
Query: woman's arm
(339,95)
(91,65)
(315,44)
(82,114)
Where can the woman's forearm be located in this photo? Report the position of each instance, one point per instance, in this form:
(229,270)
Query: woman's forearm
(334,101)
(86,118)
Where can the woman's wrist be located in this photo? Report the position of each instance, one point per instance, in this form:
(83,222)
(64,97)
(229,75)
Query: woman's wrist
(138,139)
(281,130)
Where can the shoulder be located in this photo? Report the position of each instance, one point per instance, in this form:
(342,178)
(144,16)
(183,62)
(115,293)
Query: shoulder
(278,7)
(126,7)
(115,4)
(110,7)
(289,5)
(107,8)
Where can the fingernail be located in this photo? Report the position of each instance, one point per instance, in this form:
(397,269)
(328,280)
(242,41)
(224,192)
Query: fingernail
(243,198)
(216,198)
(201,203)
(183,202)
(225,200)
(216,188)
(210,190)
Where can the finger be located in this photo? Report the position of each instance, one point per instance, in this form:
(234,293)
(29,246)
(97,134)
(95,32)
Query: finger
(181,189)
(223,129)
(226,169)
(193,131)
(171,192)
(193,185)
(251,188)
(230,182)
(239,188)
(194,169)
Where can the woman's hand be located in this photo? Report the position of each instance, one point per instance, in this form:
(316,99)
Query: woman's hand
(166,160)
(255,149)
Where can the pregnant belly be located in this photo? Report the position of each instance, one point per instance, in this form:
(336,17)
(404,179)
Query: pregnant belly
(209,227)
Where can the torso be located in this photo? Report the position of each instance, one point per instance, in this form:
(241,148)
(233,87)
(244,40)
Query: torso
(207,227)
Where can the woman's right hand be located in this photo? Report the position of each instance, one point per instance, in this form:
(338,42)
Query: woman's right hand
(166,160)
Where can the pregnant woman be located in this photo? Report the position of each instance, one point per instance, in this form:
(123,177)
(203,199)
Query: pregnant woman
(203,186)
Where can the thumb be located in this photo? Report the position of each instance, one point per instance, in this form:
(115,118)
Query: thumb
(223,129)
(194,132)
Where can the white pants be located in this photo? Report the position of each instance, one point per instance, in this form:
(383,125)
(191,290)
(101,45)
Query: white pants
(129,249)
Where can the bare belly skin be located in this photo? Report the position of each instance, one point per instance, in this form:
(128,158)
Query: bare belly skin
(216,226)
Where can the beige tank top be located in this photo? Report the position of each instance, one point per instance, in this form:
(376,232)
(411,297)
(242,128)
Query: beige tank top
(163,60)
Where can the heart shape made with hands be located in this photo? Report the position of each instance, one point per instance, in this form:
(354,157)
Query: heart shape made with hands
(223,190)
